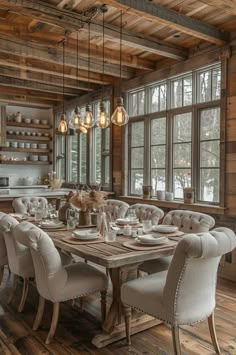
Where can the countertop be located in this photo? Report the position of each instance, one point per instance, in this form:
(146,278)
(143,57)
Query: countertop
(10,193)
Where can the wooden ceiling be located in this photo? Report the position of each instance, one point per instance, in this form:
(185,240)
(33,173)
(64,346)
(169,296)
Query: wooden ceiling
(155,34)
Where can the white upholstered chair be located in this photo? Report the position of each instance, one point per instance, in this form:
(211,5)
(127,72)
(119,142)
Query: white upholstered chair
(116,208)
(144,211)
(23,204)
(19,258)
(185,294)
(55,282)
(187,222)
(3,251)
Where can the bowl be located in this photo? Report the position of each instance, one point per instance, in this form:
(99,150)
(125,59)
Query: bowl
(43,158)
(28,133)
(27,120)
(27,145)
(10,132)
(13,144)
(22,133)
(39,134)
(33,134)
(42,146)
(17,133)
(44,122)
(36,121)
(21,145)
(46,134)
(34,145)
(34,157)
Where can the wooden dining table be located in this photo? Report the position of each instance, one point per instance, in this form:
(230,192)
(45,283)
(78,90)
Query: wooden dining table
(122,264)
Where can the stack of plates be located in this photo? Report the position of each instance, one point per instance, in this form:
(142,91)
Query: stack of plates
(52,224)
(164,228)
(151,239)
(87,234)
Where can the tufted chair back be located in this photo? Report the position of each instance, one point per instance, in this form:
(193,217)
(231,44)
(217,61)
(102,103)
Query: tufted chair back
(189,221)
(50,275)
(19,257)
(116,208)
(3,250)
(144,211)
(23,204)
(190,286)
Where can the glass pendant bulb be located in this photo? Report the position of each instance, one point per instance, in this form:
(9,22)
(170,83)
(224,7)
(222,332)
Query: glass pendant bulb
(120,117)
(103,120)
(89,120)
(83,129)
(62,127)
(76,117)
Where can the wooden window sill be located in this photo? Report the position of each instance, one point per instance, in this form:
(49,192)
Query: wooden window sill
(199,207)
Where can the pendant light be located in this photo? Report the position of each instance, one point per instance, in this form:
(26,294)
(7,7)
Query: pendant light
(120,116)
(103,120)
(62,127)
(89,120)
(76,115)
(77,120)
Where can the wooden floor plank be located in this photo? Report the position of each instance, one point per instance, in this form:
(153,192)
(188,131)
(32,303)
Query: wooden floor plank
(76,329)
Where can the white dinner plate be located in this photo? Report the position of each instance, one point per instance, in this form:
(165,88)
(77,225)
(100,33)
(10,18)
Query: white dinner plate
(86,234)
(124,221)
(52,224)
(164,228)
(150,239)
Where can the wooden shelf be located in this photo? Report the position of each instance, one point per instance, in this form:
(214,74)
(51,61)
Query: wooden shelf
(27,138)
(24,150)
(28,125)
(23,162)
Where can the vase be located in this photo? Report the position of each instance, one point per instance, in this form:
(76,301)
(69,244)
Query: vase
(147,191)
(188,195)
(84,218)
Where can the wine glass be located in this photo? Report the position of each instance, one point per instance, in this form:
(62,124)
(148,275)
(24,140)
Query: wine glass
(147,226)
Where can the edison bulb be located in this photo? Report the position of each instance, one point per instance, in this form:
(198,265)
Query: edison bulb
(120,117)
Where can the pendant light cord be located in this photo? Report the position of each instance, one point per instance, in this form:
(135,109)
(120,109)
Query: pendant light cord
(88,55)
(63,75)
(77,61)
(121,19)
(103,53)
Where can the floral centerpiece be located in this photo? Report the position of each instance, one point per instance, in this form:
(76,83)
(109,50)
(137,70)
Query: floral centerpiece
(87,201)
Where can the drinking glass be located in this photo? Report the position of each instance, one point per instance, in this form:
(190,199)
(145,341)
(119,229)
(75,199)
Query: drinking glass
(70,218)
(147,226)
(38,215)
(132,214)
(110,236)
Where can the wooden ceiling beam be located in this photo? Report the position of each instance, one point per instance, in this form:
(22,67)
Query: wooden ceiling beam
(21,83)
(52,40)
(31,93)
(73,21)
(35,65)
(47,79)
(31,50)
(228,6)
(160,14)
(26,100)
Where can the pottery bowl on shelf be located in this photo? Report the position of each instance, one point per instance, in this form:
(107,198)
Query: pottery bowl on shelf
(10,132)
(46,134)
(45,122)
(28,133)
(34,145)
(39,134)
(42,146)
(33,134)
(34,158)
(43,158)
(13,144)
(36,121)
(27,120)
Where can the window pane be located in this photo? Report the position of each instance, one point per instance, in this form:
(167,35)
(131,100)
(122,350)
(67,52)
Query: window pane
(158,179)
(134,105)
(106,170)
(183,127)
(74,158)
(155,99)
(158,156)
(98,154)
(216,83)
(210,154)
(163,97)
(141,96)
(209,185)
(182,155)
(137,134)
(187,91)
(82,158)
(107,138)
(177,93)
(158,131)
(137,158)
(62,164)
(182,179)
(136,181)
(210,124)
(204,89)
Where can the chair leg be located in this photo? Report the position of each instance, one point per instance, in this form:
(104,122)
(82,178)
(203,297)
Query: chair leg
(24,294)
(176,342)
(127,314)
(13,290)
(103,304)
(212,329)
(55,315)
(39,315)
(1,273)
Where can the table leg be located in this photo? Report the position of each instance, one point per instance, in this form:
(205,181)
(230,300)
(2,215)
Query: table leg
(114,325)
